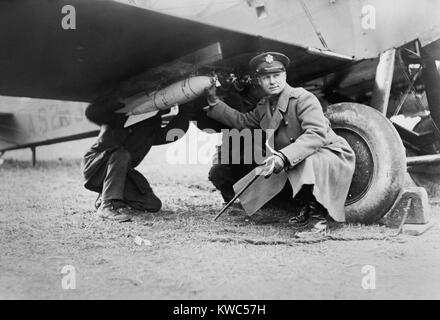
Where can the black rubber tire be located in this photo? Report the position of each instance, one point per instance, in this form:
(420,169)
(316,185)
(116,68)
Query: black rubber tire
(380,160)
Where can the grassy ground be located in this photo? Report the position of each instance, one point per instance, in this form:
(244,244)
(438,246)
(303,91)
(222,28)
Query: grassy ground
(47,222)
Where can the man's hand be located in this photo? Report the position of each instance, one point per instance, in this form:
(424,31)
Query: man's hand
(211,95)
(273,164)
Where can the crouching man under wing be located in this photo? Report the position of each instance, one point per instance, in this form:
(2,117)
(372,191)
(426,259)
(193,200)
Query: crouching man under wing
(317,163)
(108,167)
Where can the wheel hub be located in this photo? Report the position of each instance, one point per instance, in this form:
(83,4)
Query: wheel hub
(363,174)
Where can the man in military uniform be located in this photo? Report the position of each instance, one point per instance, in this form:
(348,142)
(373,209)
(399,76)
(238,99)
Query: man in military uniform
(316,162)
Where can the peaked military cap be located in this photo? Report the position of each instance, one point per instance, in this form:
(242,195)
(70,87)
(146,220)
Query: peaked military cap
(268,62)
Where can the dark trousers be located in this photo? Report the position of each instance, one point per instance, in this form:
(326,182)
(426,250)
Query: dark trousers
(115,177)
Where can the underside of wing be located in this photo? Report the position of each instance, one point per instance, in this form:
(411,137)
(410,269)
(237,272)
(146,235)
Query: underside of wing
(113,42)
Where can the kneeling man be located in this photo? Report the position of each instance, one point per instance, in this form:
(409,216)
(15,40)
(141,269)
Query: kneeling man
(109,167)
(317,163)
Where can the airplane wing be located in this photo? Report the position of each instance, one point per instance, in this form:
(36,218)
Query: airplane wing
(113,42)
(33,122)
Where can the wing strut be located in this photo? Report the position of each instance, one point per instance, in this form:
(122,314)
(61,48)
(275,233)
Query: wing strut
(315,27)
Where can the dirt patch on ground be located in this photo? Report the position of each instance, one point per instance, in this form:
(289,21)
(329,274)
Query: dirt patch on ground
(47,222)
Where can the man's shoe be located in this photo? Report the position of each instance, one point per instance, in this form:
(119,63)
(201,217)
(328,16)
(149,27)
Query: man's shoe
(317,223)
(317,211)
(108,211)
(319,229)
(302,219)
(310,212)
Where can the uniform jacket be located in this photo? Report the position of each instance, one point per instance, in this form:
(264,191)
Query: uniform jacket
(300,131)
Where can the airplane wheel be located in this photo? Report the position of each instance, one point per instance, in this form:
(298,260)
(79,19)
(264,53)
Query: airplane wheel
(380,160)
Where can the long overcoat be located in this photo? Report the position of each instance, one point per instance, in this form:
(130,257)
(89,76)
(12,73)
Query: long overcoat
(316,155)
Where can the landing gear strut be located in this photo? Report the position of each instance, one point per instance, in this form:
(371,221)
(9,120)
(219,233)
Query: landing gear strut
(34,156)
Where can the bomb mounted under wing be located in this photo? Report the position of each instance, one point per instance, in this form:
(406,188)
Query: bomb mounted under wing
(119,53)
